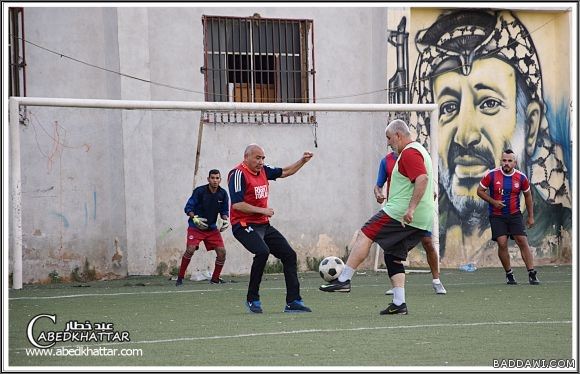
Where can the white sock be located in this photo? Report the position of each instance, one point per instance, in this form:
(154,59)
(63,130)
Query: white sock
(346,274)
(398,295)
(436,281)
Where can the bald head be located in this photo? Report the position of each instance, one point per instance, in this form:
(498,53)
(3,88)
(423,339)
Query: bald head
(398,135)
(251,148)
(398,126)
(254,157)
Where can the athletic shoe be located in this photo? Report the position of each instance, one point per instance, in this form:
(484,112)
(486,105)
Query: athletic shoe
(254,306)
(532,275)
(336,286)
(439,289)
(179,282)
(394,309)
(510,279)
(219,281)
(389,292)
(297,306)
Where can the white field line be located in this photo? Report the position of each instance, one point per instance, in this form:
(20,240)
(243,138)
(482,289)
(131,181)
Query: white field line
(310,331)
(221,289)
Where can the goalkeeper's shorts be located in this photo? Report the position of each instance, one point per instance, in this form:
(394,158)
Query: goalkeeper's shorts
(212,239)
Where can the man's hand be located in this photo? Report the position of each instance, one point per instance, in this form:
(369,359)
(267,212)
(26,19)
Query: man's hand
(292,169)
(408,217)
(269,212)
(530,222)
(200,222)
(307,156)
(225,225)
(497,204)
(380,197)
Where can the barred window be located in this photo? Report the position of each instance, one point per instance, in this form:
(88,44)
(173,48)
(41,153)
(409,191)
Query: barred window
(257,59)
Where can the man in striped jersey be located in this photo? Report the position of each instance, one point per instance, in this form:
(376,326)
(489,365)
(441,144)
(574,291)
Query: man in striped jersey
(505,217)
(250,219)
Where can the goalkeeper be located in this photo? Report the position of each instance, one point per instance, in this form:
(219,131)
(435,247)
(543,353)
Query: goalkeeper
(203,207)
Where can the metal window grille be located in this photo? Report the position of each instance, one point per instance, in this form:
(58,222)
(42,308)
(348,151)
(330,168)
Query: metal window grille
(258,60)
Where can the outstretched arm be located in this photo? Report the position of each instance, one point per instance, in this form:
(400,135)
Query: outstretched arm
(292,169)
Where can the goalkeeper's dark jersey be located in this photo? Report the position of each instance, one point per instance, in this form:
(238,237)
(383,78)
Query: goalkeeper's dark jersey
(208,205)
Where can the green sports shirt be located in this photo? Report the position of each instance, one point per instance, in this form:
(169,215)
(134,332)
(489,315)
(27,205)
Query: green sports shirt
(401,191)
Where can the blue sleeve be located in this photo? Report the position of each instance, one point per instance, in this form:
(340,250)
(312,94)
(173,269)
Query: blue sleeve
(237,186)
(382,174)
(189,207)
(272,173)
(225,207)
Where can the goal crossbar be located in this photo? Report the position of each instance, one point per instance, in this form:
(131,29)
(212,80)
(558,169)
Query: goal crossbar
(14,119)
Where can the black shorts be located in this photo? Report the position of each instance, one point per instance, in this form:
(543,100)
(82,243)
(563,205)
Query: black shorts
(393,238)
(509,225)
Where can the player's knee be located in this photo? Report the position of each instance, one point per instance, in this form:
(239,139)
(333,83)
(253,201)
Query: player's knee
(521,240)
(290,257)
(502,242)
(261,255)
(428,244)
(394,265)
(220,254)
(190,250)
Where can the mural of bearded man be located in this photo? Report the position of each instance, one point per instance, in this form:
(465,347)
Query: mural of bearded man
(482,69)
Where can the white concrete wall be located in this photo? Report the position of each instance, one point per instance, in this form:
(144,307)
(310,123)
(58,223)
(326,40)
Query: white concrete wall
(73,187)
(140,164)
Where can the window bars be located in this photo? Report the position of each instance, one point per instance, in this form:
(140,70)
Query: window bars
(258,60)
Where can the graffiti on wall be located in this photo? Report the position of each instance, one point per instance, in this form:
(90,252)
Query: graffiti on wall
(481,67)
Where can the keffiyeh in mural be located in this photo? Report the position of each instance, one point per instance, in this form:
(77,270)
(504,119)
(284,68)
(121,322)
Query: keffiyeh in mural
(455,41)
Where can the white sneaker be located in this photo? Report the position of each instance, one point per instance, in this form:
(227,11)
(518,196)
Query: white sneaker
(439,289)
(389,292)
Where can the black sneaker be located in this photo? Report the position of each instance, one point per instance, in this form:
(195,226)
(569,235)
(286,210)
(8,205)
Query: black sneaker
(219,281)
(533,277)
(336,286)
(254,306)
(395,309)
(179,282)
(510,279)
(297,306)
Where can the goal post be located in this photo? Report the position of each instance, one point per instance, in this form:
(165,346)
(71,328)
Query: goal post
(15,104)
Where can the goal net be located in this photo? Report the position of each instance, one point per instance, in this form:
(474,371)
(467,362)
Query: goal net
(100,185)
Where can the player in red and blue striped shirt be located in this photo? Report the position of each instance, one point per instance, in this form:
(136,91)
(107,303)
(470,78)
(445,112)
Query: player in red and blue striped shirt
(505,217)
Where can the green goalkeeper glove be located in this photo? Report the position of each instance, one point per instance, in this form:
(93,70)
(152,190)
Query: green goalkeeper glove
(200,222)
(225,225)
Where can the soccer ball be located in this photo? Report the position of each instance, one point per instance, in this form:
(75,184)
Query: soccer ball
(330,268)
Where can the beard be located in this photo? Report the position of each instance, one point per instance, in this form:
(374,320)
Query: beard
(472,210)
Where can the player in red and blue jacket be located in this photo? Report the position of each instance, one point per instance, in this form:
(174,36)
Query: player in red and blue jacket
(248,183)
(505,217)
